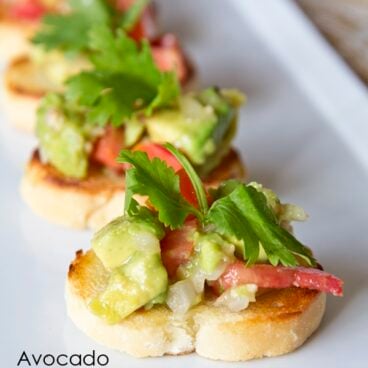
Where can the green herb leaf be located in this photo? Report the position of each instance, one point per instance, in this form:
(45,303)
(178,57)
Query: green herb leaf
(69,32)
(225,188)
(153,178)
(194,178)
(245,215)
(132,15)
(125,80)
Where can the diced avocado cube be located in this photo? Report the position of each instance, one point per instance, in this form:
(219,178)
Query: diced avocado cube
(62,139)
(130,287)
(202,127)
(119,240)
(210,252)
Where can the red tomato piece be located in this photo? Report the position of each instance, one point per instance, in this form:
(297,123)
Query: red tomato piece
(169,56)
(268,276)
(31,10)
(177,246)
(108,147)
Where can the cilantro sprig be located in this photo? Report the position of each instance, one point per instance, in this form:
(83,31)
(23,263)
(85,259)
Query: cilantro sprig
(160,183)
(239,211)
(124,80)
(69,32)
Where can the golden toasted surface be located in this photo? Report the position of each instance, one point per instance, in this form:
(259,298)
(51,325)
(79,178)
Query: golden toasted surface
(277,323)
(90,203)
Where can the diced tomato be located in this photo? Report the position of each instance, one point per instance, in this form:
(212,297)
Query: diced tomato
(177,247)
(31,10)
(146,27)
(268,276)
(169,56)
(186,188)
(108,147)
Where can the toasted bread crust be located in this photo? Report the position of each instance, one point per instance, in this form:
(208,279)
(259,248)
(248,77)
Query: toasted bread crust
(96,200)
(78,204)
(277,323)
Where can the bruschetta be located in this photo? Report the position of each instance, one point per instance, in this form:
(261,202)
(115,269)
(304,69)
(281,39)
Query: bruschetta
(218,272)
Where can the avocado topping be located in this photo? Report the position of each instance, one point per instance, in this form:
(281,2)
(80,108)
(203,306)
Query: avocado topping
(202,127)
(129,247)
(62,136)
(239,229)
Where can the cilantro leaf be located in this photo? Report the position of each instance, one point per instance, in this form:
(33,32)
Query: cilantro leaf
(125,79)
(132,15)
(153,178)
(70,32)
(245,215)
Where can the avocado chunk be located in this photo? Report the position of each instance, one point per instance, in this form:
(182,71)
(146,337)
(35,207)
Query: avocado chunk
(202,124)
(119,240)
(210,250)
(62,137)
(129,247)
(130,287)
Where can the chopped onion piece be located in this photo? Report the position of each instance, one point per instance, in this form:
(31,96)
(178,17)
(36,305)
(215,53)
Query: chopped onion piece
(291,212)
(217,273)
(181,296)
(198,279)
(237,298)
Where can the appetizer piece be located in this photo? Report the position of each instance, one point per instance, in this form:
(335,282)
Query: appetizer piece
(19,20)
(62,48)
(124,101)
(218,272)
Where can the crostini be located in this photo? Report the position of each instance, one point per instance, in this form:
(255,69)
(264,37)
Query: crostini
(217,272)
(124,101)
(57,54)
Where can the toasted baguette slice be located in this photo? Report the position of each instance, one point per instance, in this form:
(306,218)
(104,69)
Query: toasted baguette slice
(93,202)
(277,323)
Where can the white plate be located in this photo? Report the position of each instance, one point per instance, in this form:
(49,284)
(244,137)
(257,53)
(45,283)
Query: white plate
(303,133)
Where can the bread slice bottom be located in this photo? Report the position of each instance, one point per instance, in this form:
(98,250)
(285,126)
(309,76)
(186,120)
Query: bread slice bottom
(277,323)
(96,200)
